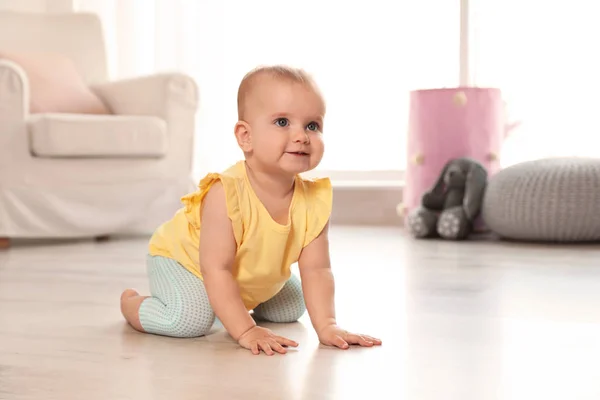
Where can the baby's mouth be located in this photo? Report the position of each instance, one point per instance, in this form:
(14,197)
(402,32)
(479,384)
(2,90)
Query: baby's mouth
(298,153)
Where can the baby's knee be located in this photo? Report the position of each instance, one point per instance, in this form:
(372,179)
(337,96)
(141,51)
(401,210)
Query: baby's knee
(293,314)
(190,325)
(175,320)
(281,312)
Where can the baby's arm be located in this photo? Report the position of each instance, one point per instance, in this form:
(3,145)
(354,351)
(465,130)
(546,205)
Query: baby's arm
(318,282)
(319,294)
(217,255)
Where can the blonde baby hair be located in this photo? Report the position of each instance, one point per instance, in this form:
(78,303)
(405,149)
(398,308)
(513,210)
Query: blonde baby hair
(281,72)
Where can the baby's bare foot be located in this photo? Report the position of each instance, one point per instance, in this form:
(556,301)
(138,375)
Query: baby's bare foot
(130,306)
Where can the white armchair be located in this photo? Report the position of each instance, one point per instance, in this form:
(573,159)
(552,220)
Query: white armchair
(67,175)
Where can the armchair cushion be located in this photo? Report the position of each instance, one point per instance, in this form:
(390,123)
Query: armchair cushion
(55,84)
(112,136)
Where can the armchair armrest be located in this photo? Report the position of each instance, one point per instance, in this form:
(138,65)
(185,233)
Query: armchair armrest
(162,95)
(172,97)
(14,94)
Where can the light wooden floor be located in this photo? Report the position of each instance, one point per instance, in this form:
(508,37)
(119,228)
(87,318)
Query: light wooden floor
(475,320)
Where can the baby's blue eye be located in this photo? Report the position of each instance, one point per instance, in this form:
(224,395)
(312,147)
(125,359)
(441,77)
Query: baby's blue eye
(313,126)
(282,122)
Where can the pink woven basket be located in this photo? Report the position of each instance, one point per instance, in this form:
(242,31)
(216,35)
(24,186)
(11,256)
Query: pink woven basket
(451,123)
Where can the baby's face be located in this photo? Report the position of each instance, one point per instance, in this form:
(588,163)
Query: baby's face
(285,120)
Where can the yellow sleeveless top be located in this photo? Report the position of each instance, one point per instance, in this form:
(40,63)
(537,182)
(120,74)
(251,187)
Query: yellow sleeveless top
(265,249)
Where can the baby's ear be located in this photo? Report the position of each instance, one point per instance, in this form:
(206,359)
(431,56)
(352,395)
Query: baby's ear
(243,136)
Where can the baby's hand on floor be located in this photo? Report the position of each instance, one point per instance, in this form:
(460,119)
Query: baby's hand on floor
(258,338)
(333,335)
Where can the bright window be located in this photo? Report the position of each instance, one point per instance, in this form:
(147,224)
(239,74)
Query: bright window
(367,56)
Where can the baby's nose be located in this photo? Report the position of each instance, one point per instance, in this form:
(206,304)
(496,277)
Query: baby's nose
(300,136)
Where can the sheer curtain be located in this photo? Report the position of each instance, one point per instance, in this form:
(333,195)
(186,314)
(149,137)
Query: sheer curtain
(365,55)
(542,55)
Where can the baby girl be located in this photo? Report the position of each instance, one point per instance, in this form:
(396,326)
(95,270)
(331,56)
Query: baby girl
(227,252)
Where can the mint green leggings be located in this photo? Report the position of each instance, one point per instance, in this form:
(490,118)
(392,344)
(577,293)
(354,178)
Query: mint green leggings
(179,306)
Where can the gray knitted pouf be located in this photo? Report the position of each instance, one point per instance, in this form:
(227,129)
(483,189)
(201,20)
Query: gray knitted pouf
(555,200)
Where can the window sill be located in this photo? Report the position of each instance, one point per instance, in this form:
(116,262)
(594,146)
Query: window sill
(362,179)
(373,203)
(364,184)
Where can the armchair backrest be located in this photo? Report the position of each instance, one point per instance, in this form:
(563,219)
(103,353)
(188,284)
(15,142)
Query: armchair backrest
(78,36)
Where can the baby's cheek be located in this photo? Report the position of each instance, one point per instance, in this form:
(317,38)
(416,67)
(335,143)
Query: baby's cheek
(317,152)
(317,143)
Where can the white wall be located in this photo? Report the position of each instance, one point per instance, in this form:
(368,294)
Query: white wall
(51,6)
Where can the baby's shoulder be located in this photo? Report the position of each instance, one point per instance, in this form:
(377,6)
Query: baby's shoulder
(318,204)
(215,187)
(315,186)
(317,194)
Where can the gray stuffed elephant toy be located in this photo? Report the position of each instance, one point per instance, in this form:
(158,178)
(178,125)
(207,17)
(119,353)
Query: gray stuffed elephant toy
(450,208)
